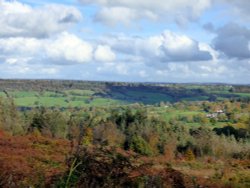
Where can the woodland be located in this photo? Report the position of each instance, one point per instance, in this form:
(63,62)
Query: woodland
(58,133)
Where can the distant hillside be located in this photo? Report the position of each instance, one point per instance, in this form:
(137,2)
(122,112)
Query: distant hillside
(87,93)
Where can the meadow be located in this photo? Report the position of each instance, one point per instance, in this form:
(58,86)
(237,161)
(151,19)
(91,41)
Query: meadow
(51,93)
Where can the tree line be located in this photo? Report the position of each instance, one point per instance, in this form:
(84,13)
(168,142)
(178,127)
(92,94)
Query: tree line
(135,128)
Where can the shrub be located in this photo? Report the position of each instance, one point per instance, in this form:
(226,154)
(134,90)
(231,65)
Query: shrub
(139,145)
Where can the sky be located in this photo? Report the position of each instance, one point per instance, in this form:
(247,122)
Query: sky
(205,41)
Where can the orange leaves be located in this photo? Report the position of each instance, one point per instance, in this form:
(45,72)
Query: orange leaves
(30,159)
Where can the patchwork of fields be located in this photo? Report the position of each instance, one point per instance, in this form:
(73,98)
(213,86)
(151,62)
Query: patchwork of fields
(70,98)
(65,94)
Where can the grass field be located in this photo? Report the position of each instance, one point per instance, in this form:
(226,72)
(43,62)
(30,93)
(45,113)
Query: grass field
(99,94)
(168,113)
(82,98)
(69,98)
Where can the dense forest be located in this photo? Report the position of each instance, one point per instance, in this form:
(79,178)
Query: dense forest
(154,135)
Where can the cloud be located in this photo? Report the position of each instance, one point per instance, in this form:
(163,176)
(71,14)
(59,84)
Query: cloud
(233,41)
(230,71)
(122,15)
(68,47)
(208,27)
(24,70)
(20,46)
(22,20)
(64,48)
(36,42)
(104,53)
(240,8)
(182,48)
(117,11)
(166,47)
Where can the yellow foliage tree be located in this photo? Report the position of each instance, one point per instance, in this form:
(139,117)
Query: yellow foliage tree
(189,155)
(87,137)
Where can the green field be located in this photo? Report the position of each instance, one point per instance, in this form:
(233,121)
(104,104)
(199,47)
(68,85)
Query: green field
(69,98)
(59,93)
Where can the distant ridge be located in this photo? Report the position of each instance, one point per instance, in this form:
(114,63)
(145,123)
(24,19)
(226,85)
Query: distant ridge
(123,82)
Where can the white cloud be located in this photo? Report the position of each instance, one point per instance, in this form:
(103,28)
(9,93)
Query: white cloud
(20,45)
(122,69)
(143,74)
(11,61)
(166,47)
(65,48)
(205,47)
(157,5)
(104,53)
(34,42)
(112,12)
(122,15)
(68,47)
(125,11)
(117,68)
(114,15)
(22,20)
(24,70)
(181,48)
(50,70)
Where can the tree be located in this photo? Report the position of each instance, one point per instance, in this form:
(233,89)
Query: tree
(139,145)
(189,155)
(108,134)
(9,117)
(50,123)
(87,137)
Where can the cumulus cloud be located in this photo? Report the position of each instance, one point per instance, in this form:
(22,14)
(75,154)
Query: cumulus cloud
(34,42)
(62,49)
(22,20)
(181,11)
(233,40)
(20,46)
(167,47)
(68,47)
(104,53)
(65,48)
(182,48)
